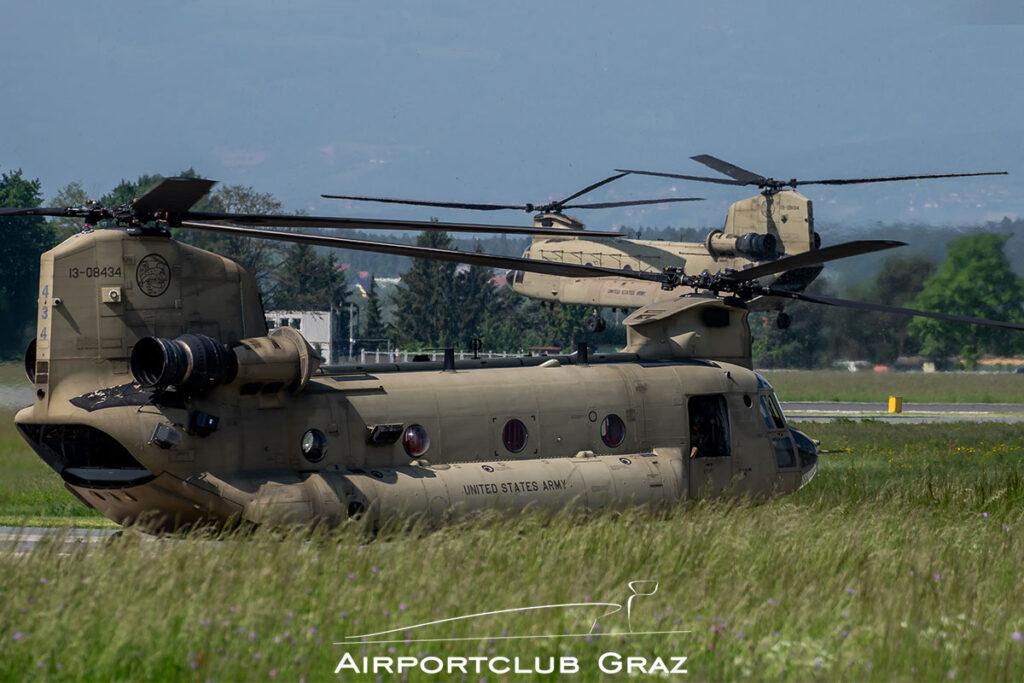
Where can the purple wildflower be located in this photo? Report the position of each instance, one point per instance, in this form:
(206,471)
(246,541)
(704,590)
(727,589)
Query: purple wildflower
(18,635)
(937,576)
(985,515)
(273,673)
(1017,636)
(402,607)
(374,570)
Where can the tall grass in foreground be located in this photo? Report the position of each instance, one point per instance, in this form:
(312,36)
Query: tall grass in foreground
(903,559)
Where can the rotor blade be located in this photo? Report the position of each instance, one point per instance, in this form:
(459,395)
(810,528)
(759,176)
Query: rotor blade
(417,202)
(472,258)
(589,188)
(286,221)
(812,258)
(734,172)
(173,195)
(702,179)
(529,208)
(863,305)
(40,211)
(852,181)
(637,202)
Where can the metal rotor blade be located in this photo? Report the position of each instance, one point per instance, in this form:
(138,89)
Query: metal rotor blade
(882,308)
(852,181)
(472,258)
(286,221)
(812,258)
(589,188)
(173,195)
(553,206)
(735,172)
(417,202)
(638,202)
(703,179)
(40,211)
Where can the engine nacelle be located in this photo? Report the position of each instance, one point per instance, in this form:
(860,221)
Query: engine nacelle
(758,246)
(195,364)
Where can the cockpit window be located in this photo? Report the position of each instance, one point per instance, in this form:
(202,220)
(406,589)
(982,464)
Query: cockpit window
(776,410)
(784,452)
(762,383)
(766,414)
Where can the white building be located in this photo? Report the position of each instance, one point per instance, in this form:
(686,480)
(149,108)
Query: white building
(322,329)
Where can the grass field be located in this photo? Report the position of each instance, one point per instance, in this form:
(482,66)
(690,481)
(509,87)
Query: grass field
(914,387)
(901,560)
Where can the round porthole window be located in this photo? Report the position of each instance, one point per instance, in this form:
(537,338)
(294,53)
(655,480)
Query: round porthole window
(613,431)
(415,440)
(514,435)
(314,445)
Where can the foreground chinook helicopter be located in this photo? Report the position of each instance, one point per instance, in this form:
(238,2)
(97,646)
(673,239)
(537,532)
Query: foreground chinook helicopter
(774,223)
(160,397)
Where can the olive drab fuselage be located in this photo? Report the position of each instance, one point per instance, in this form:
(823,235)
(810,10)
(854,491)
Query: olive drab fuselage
(267,437)
(786,216)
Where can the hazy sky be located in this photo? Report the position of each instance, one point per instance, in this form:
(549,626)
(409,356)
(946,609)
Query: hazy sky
(521,101)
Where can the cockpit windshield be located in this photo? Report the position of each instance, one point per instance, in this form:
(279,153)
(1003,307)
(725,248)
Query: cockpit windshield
(776,411)
(771,411)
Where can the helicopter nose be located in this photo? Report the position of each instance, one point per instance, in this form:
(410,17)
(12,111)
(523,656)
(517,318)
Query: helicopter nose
(510,276)
(807,453)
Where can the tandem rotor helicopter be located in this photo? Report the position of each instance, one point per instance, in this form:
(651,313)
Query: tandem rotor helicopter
(160,397)
(777,222)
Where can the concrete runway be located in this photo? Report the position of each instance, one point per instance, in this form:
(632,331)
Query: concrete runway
(825,411)
(19,540)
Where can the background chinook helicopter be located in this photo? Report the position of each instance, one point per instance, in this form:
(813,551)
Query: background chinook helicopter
(160,396)
(774,223)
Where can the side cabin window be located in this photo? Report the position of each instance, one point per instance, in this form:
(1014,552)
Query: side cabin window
(709,427)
